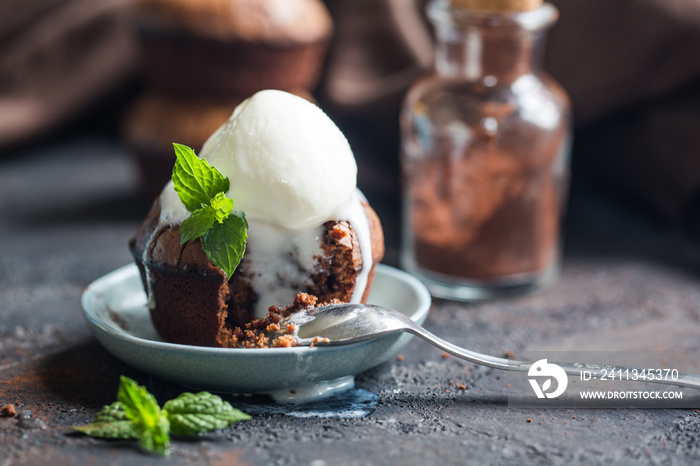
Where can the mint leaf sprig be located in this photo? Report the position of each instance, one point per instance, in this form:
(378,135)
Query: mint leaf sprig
(136,415)
(110,422)
(141,408)
(202,189)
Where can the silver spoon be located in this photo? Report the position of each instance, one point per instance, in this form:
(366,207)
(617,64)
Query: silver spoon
(341,324)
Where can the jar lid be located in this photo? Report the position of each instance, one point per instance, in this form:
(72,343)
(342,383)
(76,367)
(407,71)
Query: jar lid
(498,5)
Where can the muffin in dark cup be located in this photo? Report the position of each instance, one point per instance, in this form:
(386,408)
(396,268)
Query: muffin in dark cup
(232,48)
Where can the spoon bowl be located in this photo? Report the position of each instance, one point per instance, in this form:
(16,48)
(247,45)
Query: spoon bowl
(347,323)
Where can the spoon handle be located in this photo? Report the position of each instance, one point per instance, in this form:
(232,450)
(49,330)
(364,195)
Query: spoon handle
(595,370)
(472,356)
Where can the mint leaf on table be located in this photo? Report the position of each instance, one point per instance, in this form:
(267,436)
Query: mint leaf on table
(202,189)
(149,421)
(192,414)
(110,422)
(194,180)
(137,416)
(225,242)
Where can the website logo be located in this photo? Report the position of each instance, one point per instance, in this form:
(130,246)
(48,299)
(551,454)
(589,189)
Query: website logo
(542,368)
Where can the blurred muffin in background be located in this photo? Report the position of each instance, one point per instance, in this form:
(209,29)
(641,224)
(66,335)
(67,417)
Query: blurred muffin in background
(201,58)
(232,48)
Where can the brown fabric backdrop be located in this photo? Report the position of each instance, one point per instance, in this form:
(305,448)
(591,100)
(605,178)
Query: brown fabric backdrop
(56,57)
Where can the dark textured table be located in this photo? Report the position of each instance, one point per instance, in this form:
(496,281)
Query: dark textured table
(66,212)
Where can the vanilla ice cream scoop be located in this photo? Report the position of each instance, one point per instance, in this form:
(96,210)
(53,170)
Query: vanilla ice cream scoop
(288,163)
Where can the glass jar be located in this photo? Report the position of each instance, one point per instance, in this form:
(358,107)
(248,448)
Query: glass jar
(485,142)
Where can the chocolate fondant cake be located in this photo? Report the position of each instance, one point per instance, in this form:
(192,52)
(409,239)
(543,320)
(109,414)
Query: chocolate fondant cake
(293,175)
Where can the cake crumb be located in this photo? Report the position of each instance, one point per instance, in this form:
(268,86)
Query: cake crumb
(400,358)
(461,386)
(274,327)
(8,411)
(285,341)
(529,419)
(337,234)
(445,355)
(269,333)
(510,354)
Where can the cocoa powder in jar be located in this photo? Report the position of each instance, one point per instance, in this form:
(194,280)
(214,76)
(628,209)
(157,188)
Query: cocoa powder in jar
(488,213)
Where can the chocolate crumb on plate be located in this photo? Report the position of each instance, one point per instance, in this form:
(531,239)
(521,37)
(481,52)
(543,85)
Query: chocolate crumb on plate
(267,332)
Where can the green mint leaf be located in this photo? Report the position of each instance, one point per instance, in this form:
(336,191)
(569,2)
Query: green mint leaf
(145,414)
(137,416)
(222,206)
(110,422)
(192,414)
(202,189)
(225,242)
(197,224)
(194,180)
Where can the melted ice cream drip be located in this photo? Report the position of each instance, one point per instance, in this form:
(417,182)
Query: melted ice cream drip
(280,262)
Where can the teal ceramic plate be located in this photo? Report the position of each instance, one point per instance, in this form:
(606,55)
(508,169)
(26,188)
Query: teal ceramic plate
(115,310)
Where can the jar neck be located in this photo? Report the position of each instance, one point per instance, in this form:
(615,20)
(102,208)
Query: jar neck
(478,45)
